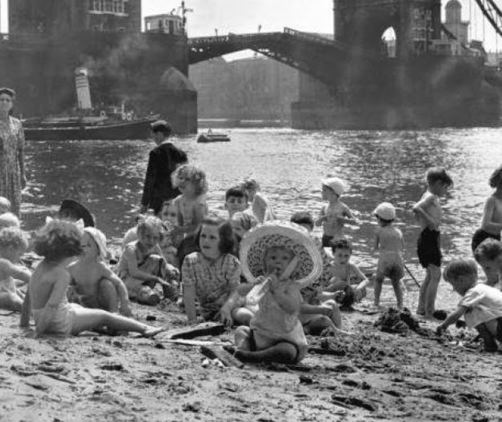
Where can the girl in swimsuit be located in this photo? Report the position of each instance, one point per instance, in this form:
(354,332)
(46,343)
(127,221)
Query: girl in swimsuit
(59,242)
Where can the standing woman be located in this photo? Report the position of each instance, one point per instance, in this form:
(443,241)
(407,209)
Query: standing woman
(12,177)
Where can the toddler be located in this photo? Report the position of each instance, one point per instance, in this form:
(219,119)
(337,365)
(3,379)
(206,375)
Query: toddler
(481,305)
(59,242)
(260,205)
(13,244)
(491,223)
(489,256)
(142,266)
(389,241)
(211,274)
(278,257)
(344,273)
(236,200)
(95,284)
(428,212)
(336,214)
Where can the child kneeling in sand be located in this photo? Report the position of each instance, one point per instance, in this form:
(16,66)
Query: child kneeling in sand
(94,283)
(142,265)
(481,305)
(13,244)
(277,257)
(59,242)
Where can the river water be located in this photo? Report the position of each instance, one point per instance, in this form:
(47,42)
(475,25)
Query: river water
(289,164)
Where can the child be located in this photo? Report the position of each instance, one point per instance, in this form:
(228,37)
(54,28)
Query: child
(211,274)
(334,216)
(95,283)
(8,219)
(236,200)
(5,205)
(489,256)
(344,273)
(428,212)
(278,257)
(481,305)
(142,266)
(259,204)
(491,224)
(241,223)
(13,244)
(389,241)
(59,243)
(191,205)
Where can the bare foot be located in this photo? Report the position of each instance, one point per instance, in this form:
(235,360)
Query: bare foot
(152,331)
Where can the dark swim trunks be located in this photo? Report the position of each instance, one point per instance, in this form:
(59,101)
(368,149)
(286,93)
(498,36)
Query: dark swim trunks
(480,236)
(428,248)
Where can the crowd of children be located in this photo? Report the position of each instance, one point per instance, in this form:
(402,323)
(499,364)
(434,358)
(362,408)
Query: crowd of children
(272,279)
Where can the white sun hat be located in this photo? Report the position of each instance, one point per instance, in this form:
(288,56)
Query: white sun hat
(385,211)
(293,237)
(335,184)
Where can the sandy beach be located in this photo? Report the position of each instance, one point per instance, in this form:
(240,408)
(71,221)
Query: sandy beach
(372,375)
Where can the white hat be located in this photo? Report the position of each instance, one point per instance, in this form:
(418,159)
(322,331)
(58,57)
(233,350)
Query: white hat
(280,233)
(335,184)
(385,211)
(100,240)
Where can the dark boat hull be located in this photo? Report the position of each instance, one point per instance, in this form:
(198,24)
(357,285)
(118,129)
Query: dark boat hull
(113,132)
(206,138)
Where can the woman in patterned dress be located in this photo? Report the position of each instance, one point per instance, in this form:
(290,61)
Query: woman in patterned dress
(12,177)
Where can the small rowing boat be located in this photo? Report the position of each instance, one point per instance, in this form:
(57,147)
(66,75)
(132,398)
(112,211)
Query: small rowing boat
(211,136)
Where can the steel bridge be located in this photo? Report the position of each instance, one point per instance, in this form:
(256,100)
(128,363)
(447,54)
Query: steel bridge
(315,55)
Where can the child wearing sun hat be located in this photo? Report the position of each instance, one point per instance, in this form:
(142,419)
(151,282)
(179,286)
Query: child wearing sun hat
(336,214)
(389,242)
(278,258)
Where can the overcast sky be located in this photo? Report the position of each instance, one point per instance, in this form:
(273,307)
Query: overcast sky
(243,16)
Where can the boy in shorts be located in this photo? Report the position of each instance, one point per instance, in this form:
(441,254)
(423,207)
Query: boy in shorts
(428,213)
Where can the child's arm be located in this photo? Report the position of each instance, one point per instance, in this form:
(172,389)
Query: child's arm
(132,266)
(347,217)
(486,222)
(233,275)
(121,289)
(18,272)
(420,210)
(26,310)
(189,290)
(376,243)
(288,297)
(452,319)
(322,217)
(57,296)
(363,282)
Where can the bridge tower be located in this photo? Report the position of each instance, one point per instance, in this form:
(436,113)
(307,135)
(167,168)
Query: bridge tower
(361,24)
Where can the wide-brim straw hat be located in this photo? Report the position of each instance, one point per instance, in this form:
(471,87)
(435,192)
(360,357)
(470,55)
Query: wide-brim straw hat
(280,233)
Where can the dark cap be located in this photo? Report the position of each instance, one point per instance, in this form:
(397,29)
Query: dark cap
(161,126)
(10,92)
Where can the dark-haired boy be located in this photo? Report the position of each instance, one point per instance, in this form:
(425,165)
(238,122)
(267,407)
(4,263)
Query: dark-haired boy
(428,212)
(489,256)
(236,200)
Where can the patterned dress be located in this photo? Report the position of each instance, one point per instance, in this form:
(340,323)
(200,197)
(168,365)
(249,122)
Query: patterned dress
(11,156)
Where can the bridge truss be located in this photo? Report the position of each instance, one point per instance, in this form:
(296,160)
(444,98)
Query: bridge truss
(492,13)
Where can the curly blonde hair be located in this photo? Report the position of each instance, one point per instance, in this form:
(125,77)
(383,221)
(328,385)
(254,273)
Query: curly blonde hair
(196,175)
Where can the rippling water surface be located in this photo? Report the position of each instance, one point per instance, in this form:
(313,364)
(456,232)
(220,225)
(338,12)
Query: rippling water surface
(378,166)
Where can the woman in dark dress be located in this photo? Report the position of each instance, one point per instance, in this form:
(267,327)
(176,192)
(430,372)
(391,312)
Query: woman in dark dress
(12,176)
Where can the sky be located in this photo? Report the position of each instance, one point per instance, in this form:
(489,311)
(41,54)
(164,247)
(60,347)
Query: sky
(245,16)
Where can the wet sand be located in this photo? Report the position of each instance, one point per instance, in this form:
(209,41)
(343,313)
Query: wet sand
(372,375)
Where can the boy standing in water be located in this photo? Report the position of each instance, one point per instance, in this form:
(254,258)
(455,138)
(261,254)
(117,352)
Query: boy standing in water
(428,212)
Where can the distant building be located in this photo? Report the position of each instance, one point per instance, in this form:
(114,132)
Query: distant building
(257,88)
(166,24)
(454,23)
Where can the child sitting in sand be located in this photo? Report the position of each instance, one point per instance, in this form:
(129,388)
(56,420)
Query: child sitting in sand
(489,256)
(389,242)
(277,258)
(481,305)
(260,206)
(95,284)
(59,242)
(344,275)
(336,214)
(13,244)
(491,223)
(142,266)
(211,274)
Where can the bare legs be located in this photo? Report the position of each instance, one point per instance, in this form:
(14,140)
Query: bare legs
(428,291)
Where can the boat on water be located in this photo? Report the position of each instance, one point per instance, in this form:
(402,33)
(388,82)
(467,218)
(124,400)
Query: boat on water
(210,136)
(114,131)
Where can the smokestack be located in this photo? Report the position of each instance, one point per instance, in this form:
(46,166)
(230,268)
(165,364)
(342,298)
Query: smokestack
(83,90)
